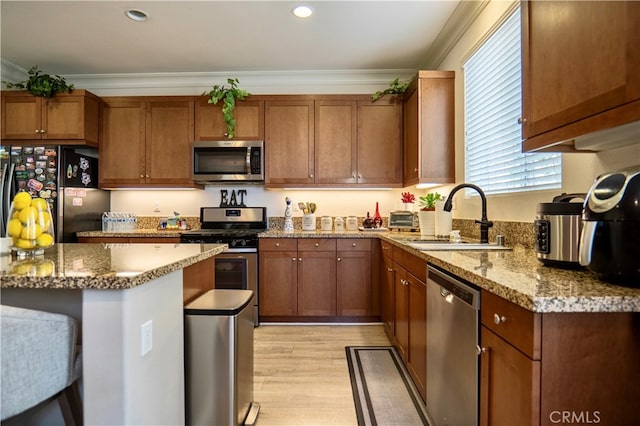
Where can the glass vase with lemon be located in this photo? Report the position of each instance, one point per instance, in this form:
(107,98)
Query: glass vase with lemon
(30,225)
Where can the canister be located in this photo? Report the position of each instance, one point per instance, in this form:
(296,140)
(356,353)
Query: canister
(352,223)
(326,223)
(339,224)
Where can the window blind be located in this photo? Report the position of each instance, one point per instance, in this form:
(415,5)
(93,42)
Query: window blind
(493,92)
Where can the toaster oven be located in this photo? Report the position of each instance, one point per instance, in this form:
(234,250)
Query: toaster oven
(404,220)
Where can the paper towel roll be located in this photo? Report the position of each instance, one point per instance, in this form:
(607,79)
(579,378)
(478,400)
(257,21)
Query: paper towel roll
(443,220)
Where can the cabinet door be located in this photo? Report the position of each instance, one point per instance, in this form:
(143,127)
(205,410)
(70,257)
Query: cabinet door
(278,283)
(354,283)
(380,142)
(429,129)
(335,141)
(387,295)
(401,289)
(21,116)
(63,117)
(317,283)
(289,142)
(509,384)
(573,75)
(122,143)
(418,332)
(210,124)
(169,135)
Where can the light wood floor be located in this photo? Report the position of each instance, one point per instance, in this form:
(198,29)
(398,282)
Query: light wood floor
(301,374)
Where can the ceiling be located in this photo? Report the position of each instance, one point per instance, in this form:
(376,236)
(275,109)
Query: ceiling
(95,37)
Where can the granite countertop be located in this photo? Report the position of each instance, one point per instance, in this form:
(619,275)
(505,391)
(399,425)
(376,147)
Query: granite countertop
(519,277)
(137,233)
(279,233)
(515,275)
(101,266)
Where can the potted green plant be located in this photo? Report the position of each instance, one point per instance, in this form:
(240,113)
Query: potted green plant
(228,95)
(395,88)
(427,213)
(39,84)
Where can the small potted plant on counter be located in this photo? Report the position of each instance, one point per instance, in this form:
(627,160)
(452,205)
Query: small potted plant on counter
(427,213)
(408,199)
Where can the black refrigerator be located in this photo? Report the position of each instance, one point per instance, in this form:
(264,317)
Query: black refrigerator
(67,177)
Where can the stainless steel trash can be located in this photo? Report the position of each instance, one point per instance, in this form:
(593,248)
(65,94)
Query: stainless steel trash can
(219,359)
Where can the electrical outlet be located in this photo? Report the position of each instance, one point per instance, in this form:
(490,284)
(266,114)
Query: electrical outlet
(156,207)
(146,338)
(294,208)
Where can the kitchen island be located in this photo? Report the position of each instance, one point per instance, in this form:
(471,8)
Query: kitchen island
(128,299)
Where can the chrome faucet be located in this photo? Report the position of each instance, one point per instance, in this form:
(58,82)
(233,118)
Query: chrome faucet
(485,224)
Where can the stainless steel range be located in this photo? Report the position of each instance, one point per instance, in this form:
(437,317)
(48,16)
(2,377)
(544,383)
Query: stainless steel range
(237,268)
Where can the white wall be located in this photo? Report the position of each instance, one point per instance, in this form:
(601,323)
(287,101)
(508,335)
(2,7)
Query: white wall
(188,203)
(579,169)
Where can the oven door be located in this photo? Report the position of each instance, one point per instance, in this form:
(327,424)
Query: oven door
(237,269)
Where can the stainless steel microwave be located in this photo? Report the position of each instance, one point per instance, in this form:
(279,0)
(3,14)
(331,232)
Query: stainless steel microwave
(228,161)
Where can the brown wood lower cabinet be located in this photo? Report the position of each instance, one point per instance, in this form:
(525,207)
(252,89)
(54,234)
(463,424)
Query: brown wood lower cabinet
(557,368)
(323,279)
(403,307)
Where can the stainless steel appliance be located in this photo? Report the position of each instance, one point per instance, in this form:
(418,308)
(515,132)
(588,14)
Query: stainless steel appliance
(610,241)
(237,268)
(67,177)
(224,161)
(558,226)
(219,359)
(404,220)
(453,319)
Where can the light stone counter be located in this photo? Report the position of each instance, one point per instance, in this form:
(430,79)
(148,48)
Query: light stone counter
(515,275)
(101,266)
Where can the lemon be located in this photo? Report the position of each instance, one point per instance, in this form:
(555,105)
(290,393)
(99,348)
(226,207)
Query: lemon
(14,228)
(44,240)
(28,215)
(24,244)
(31,231)
(21,200)
(40,204)
(44,219)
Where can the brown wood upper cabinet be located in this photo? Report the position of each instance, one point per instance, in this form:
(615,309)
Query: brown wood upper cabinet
(146,142)
(580,63)
(289,142)
(429,129)
(210,125)
(68,118)
(333,141)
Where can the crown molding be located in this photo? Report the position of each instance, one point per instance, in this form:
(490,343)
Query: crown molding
(458,23)
(256,82)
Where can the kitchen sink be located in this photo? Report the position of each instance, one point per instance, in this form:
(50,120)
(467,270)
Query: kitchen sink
(429,245)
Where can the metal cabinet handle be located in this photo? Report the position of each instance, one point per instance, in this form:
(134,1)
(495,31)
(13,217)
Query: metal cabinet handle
(277,244)
(311,176)
(147,176)
(43,131)
(522,120)
(389,269)
(142,176)
(415,170)
(353,244)
(300,259)
(499,319)
(37,131)
(317,244)
(339,259)
(293,258)
(481,350)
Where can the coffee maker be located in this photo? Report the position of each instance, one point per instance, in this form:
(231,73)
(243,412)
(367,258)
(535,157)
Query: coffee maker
(610,239)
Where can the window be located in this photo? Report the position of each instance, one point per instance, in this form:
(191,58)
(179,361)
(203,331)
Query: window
(492,101)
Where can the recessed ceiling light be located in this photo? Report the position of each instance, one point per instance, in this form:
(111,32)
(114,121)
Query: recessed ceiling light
(302,11)
(137,15)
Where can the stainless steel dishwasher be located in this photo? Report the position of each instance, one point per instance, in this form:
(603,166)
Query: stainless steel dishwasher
(453,309)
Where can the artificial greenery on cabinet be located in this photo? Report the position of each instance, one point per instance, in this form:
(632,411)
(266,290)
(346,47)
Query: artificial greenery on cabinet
(40,84)
(228,95)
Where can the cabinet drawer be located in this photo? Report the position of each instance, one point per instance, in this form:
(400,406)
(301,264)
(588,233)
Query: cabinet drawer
(354,244)
(316,244)
(277,244)
(513,323)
